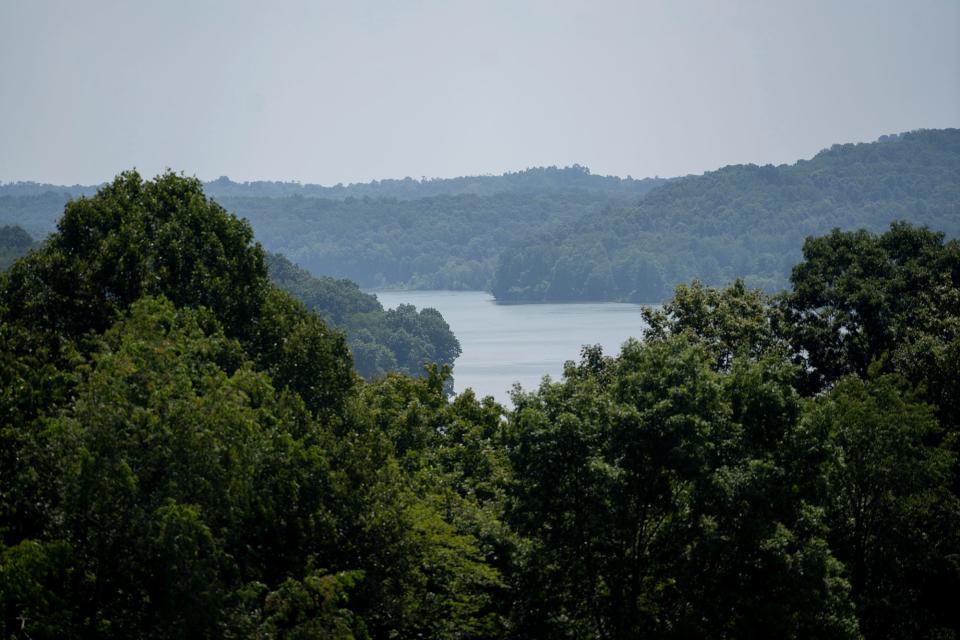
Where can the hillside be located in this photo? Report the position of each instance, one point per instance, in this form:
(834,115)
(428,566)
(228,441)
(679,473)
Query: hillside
(532,180)
(746,220)
(396,340)
(553,234)
(441,242)
(35,213)
(422,234)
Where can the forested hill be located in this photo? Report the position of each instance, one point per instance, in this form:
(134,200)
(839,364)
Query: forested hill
(533,180)
(443,233)
(743,220)
(35,205)
(441,242)
(566,234)
(35,213)
(382,341)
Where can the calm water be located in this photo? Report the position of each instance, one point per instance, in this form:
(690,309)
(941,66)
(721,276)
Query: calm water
(503,344)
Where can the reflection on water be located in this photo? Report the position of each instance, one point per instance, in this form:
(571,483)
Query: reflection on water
(503,344)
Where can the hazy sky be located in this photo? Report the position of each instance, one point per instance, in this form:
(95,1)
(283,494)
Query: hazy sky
(349,91)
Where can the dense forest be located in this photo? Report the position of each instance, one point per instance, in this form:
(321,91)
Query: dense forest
(431,234)
(441,242)
(741,221)
(186,450)
(14,243)
(381,341)
(396,340)
(564,234)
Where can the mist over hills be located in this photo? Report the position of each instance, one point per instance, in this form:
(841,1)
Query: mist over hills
(565,234)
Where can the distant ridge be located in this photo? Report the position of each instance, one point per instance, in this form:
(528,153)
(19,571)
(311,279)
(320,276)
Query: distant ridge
(739,221)
(575,177)
(565,234)
(443,233)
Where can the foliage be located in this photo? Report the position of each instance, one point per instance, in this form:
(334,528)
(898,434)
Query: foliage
(399,340)
(734,321)
(656,498)
(440,234)
(14,243)
(187,451)
(894,519)
(740,221)
(859,297)
(134,239)
(453,454)
(312,608)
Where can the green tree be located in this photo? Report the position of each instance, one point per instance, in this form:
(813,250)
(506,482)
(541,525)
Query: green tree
(730,322)
(301,352)
(139,238)
(451,454)
(893,518)
(859,297)
(658,498)
(314,607)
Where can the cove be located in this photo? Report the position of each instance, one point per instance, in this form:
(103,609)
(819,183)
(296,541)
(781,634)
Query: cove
(507,343)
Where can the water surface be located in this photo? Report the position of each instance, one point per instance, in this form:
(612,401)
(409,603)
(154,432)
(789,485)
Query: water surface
(503,344)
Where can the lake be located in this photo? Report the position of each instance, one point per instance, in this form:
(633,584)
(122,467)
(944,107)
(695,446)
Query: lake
(503,344)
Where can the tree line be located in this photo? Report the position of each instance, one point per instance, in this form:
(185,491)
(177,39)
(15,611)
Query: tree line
(188,451)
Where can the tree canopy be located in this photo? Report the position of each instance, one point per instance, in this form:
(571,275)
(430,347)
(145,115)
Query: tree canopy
(186,450)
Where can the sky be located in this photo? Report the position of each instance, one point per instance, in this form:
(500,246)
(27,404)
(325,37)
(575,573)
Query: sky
(328,92)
